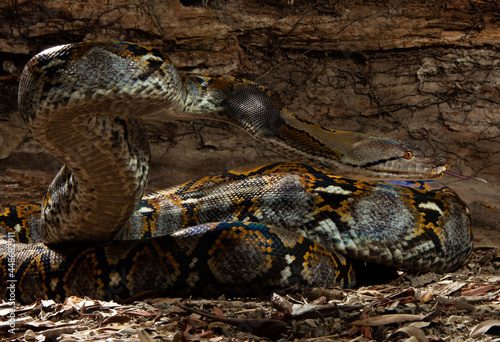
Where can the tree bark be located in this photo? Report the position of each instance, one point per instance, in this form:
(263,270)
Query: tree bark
(425,72)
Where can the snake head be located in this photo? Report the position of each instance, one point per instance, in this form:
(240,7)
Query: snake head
(381,158)
(349,154)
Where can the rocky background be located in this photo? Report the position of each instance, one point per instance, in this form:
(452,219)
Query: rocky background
(426,72)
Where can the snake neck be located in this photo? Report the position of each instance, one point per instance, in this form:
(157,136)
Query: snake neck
(257,110)
(351,154)
(104,177)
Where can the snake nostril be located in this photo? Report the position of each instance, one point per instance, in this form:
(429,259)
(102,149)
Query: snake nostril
(441,160)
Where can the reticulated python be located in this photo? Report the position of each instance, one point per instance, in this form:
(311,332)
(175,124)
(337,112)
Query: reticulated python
(278,226)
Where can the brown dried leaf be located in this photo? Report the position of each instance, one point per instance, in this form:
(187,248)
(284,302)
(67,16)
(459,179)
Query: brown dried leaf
(408,332)
(302,311)
(484,327)
(270,328)
(426,296)
(60,314)
(58,331)
(408,292)
(118,318)
(281,304)
(169,301)
(479,291)
(319,301)
(459,303)
(144,336)
(218,312)
(18,310)
(138,312)
(447,287)
(421,280)
(388,319)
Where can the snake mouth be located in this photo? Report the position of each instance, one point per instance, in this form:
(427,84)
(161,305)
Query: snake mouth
(437,171)
(421,173)
(431,167)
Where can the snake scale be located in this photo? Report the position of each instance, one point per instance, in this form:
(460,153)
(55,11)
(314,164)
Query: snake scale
(280,226)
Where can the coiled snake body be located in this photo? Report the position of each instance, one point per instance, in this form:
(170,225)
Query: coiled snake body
(279,226)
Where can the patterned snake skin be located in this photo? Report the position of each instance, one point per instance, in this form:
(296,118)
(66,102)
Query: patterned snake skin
(280,226)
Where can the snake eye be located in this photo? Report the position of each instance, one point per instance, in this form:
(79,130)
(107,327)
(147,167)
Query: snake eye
(408,155)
